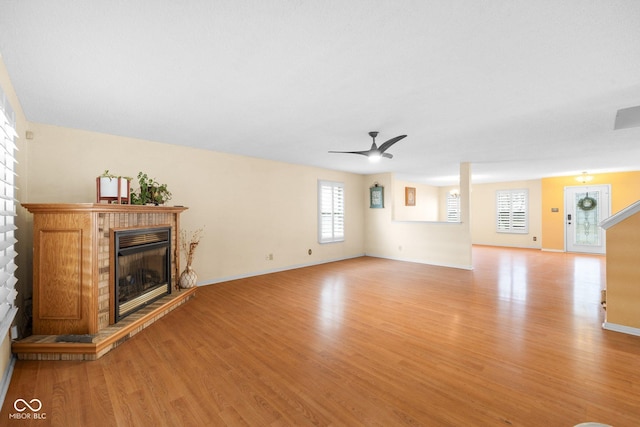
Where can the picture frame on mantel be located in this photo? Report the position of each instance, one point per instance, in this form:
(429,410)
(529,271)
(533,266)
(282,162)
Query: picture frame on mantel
(409,196)
(376,197)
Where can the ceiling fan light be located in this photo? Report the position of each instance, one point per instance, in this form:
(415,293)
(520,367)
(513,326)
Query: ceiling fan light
(375,157)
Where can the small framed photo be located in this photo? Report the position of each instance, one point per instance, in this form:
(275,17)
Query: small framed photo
(409,196)
(376,194)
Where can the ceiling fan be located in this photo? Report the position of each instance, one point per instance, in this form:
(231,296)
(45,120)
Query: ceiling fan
(375,153)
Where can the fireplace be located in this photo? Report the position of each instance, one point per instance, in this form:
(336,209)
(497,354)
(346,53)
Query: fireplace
(142,268)
(74,276)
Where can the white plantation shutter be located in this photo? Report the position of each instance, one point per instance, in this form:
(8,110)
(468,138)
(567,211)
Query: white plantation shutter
(8,202)
(512,212)
(504,211)
(330,211)
(453,208)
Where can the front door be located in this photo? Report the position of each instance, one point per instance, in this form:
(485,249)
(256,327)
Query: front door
(585,207)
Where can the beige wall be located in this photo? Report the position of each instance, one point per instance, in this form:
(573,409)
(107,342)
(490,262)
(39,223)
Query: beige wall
(427,202)
(438,243)
(431,201)
(249,207)
(483,219)
(483,216)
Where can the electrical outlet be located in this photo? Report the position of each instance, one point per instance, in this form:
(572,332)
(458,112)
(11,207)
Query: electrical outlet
(270,257)
(535,239)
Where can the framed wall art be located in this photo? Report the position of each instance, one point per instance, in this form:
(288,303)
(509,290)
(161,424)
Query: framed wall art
(409,196)
(376,197)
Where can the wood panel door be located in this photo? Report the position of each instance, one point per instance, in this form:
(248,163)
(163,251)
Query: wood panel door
(64,300)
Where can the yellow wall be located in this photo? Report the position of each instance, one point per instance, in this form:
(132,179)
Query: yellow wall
(623,274)
(625,189)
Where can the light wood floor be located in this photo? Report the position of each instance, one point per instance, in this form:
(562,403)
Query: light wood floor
(515,342)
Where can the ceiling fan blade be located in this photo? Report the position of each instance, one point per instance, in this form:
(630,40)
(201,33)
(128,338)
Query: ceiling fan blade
(364,153)
(375,152)
(384,147)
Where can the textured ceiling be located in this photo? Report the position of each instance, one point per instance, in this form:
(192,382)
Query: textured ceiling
(521,89)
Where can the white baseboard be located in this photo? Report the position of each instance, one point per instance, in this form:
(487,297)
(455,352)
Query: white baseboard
(6,379)
(311,264)
(621,328)
(274,270)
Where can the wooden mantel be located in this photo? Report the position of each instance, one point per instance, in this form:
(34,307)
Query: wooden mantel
(98,207)
(73,261)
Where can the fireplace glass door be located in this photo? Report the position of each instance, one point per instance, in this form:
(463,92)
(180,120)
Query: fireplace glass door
(142,268)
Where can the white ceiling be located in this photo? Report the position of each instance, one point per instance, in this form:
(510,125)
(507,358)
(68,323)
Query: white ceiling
(521,89)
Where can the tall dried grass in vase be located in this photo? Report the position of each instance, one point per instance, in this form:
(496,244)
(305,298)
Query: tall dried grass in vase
(188,245)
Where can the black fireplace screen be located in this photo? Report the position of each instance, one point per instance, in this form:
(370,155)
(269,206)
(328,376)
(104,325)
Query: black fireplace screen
(142,268)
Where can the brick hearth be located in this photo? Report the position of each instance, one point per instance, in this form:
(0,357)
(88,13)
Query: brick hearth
(47,347)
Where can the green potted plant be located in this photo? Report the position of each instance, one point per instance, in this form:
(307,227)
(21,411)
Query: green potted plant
(150,191)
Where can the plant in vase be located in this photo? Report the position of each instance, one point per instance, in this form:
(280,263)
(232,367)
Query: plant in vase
(150,192)
(188,244)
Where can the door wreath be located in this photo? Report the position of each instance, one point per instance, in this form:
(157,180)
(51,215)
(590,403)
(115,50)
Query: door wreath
(587,203)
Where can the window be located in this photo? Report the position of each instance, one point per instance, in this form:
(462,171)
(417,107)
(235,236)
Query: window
(512,211)
(453,207)
(330,211)
(8,267)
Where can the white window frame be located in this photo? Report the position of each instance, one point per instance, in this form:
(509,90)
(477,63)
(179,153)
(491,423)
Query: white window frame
(331,209)
(512,211)
(8,203)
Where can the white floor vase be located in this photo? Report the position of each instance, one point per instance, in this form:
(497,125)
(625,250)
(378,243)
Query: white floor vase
(188,278)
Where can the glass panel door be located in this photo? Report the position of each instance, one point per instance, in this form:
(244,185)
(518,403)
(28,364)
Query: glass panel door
(585,208)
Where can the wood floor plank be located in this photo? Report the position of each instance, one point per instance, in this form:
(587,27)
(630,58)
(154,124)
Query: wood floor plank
(517,341)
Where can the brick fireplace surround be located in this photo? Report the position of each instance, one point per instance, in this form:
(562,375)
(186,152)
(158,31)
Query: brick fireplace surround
(73,295)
